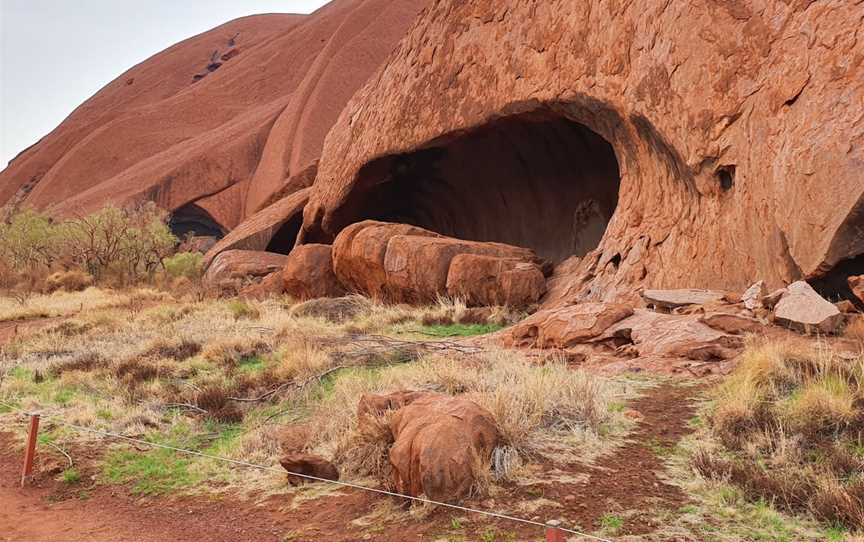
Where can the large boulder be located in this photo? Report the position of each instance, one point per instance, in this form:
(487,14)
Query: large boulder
(567,326)
(242,265)
(404,263)
(308,273)
(359,252)
(439,443)
(803,309)
(492,281)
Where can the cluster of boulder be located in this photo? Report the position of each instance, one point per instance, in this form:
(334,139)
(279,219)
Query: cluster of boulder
(393,262)
(688,323)
(439,443)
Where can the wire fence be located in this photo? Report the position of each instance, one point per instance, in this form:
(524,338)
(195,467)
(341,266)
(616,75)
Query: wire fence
(487,513)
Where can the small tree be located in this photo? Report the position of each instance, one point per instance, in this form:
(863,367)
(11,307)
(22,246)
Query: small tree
(29,240)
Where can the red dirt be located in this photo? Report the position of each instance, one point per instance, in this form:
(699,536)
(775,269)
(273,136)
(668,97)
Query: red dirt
(625,480)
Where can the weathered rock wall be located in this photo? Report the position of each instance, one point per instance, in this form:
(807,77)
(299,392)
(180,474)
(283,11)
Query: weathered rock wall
(737,127)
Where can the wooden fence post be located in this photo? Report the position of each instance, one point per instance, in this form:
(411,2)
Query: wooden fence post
(553,533)
(30,451)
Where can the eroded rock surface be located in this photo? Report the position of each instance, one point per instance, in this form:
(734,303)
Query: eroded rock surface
(439,443)
(673,299)
(567,326)
(403,263)
(243,264)
(802,309)
(720,141)
(308,273)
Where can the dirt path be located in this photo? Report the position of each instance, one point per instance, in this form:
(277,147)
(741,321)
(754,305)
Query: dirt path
(626,480)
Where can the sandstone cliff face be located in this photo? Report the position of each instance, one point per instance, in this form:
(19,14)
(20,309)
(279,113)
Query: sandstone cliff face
(214,126)
(669,144)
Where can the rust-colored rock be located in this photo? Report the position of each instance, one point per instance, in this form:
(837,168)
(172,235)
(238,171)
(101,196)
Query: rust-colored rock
(371,404)
(243,264)
(489,281)
(802,309)
(359,251)
(440,442)
(270,286)
(308,273)
(665,144)
(399,262)
(308,465)
(734,324)
(673,299)
(567,326)
(661,335)
(222,120)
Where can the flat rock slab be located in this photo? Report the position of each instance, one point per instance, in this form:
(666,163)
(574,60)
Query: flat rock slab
(675,335)
(241,264)
(567,326)
(801,308)
(672,299)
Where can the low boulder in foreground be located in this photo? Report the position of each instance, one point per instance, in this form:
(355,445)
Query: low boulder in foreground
(308,273)
(803,309)
(308,465)
(439,442)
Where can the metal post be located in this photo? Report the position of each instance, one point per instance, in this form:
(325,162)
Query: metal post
(553,533)
(30,451)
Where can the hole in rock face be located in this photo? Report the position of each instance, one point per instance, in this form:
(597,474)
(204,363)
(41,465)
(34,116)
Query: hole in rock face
(726,177)
(192,219)
(535,180)
(834,285)
(283,240)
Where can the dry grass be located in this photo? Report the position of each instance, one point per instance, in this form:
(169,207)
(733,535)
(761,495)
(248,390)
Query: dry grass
(540,410)
(790,420)
(142,363)
(855,331)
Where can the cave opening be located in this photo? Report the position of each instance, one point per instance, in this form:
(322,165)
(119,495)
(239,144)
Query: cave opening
(195,221)
(834,285)
(283,240)
(535,180)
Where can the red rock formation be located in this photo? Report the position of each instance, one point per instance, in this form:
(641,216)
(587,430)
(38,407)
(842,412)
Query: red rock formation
(224,119)
(308,273)
(715,143)
(409,264)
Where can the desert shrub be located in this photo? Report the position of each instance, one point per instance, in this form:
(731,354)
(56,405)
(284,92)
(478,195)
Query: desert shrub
(789,422)
(184,264)
(131,242)
(73,280)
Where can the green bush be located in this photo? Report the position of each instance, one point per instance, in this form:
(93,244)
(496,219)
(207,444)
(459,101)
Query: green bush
(184,264)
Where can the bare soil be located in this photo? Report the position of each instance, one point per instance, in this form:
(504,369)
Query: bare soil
(627,482)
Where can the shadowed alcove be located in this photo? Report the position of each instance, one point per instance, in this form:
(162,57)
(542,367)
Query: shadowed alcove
(192,219)
(536,180)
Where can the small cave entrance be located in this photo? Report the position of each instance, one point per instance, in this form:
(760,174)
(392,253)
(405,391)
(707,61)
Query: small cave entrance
(283,240)
(194,220)
(834,285)
(536,180)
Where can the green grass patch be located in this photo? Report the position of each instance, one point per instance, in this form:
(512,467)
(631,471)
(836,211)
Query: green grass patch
(251,364)
(611,523)
(70,476)
(460,330)
(157,471)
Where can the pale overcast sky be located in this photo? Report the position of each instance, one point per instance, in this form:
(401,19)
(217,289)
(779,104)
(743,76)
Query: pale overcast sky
(54,54)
